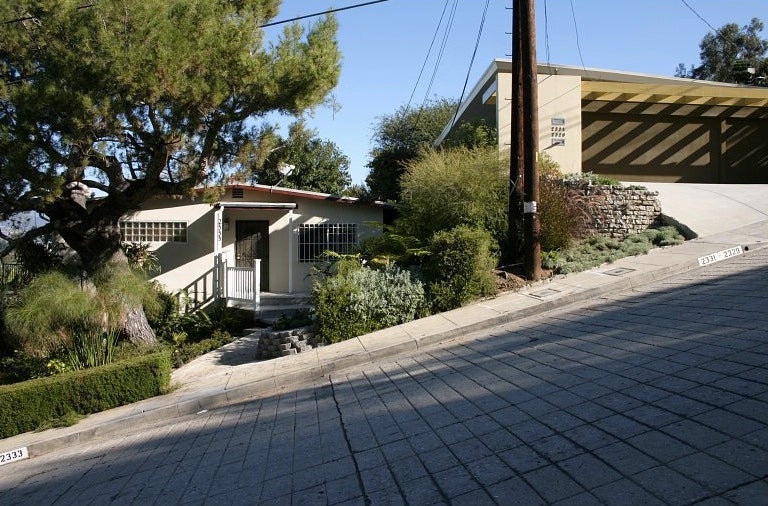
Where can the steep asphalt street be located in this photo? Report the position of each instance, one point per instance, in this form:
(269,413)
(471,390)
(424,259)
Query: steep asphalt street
(657,395)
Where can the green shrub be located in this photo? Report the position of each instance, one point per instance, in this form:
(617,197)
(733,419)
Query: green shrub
(173,327)
(389,247)
(562,213)
(28,405)
(459,268)
(353,300)
(91,348)
(302,318)
(599,250)
(56,312)
(21,367)
(187,351)
(444,189)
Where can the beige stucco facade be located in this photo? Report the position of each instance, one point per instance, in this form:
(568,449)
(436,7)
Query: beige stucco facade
(559,117)
(189,265)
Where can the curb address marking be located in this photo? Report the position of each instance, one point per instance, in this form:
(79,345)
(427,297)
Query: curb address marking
(720,255)
(13,455)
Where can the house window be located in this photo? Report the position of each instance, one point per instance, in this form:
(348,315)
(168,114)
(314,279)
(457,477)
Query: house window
(237,193)
(153,231)
(317,238)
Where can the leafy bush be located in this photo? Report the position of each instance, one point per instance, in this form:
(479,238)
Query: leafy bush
(54,310)
(141,258)
(26,406)
(293,320)
(173,326)
(591,178)
(389,247)
(186,352)
(351,300)
(459,268)
(444,189)
(599,250)
(563,214)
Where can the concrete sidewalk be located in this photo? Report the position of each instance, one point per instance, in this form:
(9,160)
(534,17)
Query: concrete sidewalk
(209,382)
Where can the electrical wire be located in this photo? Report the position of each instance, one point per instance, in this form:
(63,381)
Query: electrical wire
(329,11)
(546,32)
(472,60)
(441,52)
(578,42)
(699,16)
(718,32)
(429,51)
(274,23)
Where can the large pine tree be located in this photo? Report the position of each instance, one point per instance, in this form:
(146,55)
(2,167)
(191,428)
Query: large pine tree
(135,98)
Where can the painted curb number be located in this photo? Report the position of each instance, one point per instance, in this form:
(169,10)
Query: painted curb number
(720,255)
(13,455)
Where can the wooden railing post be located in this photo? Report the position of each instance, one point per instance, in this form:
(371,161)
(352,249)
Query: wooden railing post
(256,284)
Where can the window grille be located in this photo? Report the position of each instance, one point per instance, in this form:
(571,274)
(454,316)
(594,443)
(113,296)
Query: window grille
(314,239)
(237,193)
(153,231)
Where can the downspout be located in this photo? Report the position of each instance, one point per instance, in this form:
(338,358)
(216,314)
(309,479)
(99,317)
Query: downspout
(290,251)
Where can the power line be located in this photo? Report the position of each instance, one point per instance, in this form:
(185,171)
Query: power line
(281,22)
(546,30)
(448,27)
(472,60)
(329,11)
(699,16)
(578,43)
(429,51)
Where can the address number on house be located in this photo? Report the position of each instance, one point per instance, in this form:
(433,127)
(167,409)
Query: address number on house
(720,255)
(13,455)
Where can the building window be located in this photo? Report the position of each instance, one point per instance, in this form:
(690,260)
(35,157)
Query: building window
(317,238)
(237,193)
(153,231)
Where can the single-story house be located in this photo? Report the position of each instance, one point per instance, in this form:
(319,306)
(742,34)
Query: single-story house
(252,236)
(634,127)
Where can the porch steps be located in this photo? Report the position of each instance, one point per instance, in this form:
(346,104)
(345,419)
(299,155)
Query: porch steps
(273,305)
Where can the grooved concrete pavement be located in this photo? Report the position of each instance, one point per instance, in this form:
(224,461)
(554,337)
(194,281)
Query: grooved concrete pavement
(656,393)
(639,382)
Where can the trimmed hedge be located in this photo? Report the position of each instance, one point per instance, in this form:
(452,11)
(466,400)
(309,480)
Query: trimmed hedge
(26,406)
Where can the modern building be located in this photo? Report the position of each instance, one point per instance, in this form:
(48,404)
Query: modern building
(634,127)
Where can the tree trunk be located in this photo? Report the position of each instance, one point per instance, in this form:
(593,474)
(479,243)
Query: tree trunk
(136,327)
(93,232)
(133,321)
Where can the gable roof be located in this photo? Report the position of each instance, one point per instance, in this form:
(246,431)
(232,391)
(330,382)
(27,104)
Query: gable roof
(291,192)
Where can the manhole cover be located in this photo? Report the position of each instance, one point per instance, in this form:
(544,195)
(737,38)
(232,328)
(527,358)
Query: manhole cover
(619,271)
(543,294)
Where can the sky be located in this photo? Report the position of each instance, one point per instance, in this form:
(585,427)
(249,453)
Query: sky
(385,46)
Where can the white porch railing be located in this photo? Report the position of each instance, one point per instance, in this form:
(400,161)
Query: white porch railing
(238,283)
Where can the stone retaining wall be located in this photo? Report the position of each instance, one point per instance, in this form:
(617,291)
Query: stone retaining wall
(281,343)
(617,211)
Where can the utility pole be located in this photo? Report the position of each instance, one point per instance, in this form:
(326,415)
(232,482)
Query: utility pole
(524,176)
